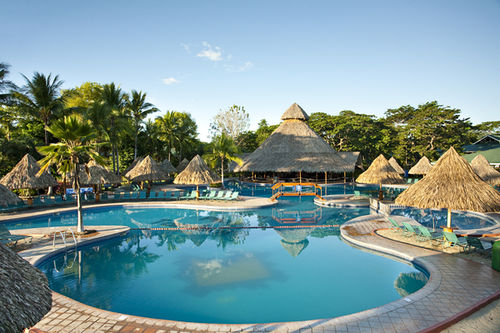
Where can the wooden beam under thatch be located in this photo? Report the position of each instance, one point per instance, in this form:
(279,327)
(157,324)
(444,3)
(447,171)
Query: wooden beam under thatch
(167,166)
(452,184)
(422,167)
(483,169)
(294,147)
(7,197)
(25,176)
(197,172)
(380,172)
(147,170)
(395,165)
(25,296)
(182,165)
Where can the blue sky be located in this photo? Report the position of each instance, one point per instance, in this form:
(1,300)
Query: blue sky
(328,56)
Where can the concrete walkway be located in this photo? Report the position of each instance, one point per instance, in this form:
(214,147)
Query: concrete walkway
(455,285)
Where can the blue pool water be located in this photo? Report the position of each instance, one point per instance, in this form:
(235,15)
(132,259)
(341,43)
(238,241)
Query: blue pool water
(230,275)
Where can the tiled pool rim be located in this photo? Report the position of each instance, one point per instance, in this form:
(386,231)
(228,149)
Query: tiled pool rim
(434,281)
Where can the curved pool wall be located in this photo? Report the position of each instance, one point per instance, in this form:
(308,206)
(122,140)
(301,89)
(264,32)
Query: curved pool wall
(231,276)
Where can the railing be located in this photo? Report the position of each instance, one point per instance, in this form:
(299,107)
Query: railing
(296,189)
(63,237)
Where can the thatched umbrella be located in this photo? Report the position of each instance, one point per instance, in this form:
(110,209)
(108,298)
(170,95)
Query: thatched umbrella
(294,240)
(25,176)
(7,197)
(294,147)
(147,170)
(380,172)
(484,170)
(395,165)
(196,173)
(422,167)
(25,296)
(167,166)
(95,174)
(452,184)
(132,165)
(184,163)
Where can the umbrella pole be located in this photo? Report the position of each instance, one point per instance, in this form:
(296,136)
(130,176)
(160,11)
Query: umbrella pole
(300,176)
(448,222)
(197,192)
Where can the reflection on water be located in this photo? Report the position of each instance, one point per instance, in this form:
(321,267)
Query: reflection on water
(408,283)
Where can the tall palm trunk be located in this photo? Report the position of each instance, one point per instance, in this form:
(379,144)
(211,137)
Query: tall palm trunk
(79,227)
(222,170)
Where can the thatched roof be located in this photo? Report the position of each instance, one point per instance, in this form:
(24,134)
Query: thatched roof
(197,172)
(395,165)
(25,296)
(167,166)
(294,147)
(147,170)
(351,158)
(25,176)
(452,183)
(232,165)
(95,174)
(422,167)
(131,166)
(182,165)
(294,248)
(380,172)
(483,169)
(7,197)
(295,112)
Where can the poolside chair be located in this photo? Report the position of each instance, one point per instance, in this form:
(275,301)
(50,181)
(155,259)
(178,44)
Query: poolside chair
(176,195)
(478,244)
(211,195)
(415,180)
(234,196)
(220,195)
(426,234)
(189,195)
(125,196)
(395,225)
(227,196)
(7,238)
(409,230)
(452,240)
(135,187)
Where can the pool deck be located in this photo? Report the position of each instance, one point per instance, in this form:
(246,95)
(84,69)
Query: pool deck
(456,288)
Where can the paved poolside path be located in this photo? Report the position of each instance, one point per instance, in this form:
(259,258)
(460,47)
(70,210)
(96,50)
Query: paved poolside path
(455,285)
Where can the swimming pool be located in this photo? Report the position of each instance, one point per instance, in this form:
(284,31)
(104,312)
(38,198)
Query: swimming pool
(232,274)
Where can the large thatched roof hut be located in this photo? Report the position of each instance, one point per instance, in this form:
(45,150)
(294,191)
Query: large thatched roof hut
(422,167)
(147,170)
(197,172)
(380,172)
(95,174)
(182,165)
(25,176)
(25,296)
(395,165)
(294,147)
(483,169)
(132,165)
(352,159)
(7,197)
(167,166)
(452,184)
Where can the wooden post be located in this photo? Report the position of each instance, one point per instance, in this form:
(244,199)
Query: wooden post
(300,176)
(344,176)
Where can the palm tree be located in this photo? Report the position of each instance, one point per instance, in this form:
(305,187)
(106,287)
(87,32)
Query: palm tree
(139,110)
(223,148)
(168,127)
(113,102)
(40,98)
(76,137)
(5,85)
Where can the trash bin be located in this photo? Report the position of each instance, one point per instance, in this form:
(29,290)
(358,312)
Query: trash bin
(495,256)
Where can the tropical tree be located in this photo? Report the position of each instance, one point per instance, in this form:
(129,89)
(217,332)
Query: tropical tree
(40,98)
(112,107)
(5,85)
(76,143)
(178,130)
(139,110)
(222,148)
(232,122)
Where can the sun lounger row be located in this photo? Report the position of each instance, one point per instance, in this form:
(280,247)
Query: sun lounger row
(448,239)
(7,238)
(212,195)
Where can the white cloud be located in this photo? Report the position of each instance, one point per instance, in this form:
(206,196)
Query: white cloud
(186,47)
(211,53)
(232,68)
(169,80)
